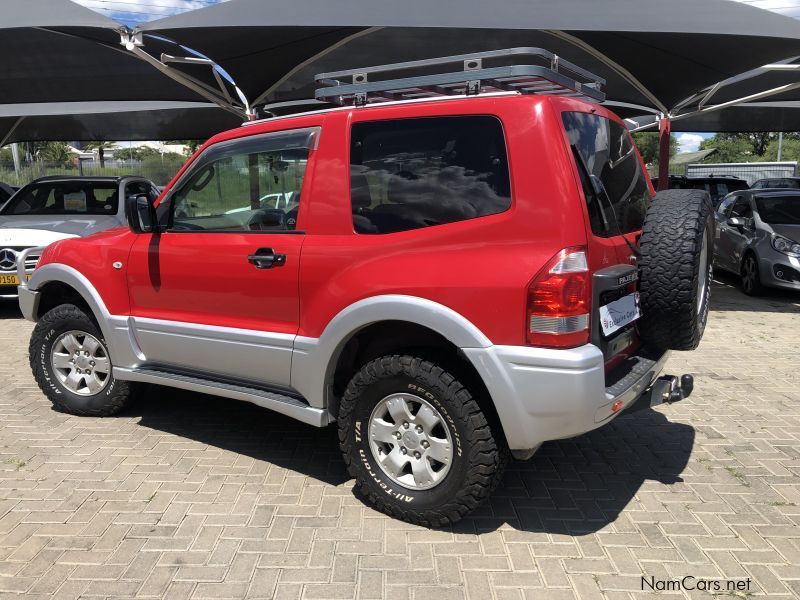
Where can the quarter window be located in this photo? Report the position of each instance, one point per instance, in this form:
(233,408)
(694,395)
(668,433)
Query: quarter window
(252,184)
(606,150)
(415,173)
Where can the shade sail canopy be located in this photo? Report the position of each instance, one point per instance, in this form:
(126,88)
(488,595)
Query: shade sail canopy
(89,121)
(651,52)
(747,117)
(55,50)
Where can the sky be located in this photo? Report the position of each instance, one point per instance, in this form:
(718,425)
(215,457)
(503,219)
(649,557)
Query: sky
(132,12)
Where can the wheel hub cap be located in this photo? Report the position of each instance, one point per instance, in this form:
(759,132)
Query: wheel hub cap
(410,441)
(80,362)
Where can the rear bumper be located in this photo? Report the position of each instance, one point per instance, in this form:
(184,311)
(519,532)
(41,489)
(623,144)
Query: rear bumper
(542,394)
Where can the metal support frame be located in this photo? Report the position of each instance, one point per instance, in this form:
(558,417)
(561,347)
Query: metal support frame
(134,42)
(10,132)
(263,95)
(621,71)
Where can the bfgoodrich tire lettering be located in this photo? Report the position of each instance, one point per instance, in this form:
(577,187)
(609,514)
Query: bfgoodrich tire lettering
(675,270)
(114,395)
(479,454)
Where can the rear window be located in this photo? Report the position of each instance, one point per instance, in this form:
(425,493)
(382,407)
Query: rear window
(607,151)
(414,173)
(65,198)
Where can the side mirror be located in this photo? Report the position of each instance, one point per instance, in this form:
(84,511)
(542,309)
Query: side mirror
(737,222)
(141,214)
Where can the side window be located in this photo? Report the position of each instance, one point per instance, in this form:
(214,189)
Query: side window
(606,150)
(725,206)
(414,173)
(741,208)
(250,184)
(758,185)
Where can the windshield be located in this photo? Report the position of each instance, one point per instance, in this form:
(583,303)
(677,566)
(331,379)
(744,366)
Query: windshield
(779,210)
(65,198)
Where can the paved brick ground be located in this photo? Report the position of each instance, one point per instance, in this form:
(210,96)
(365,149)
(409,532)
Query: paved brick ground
(193,497)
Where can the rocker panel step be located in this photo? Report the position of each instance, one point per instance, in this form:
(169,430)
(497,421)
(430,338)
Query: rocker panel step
(272,400)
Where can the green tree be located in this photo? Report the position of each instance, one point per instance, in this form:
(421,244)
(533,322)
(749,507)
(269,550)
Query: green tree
(141,153)
(790,150)
(647,142)
(742,147)
(101,148)
(191,145)
(57,153)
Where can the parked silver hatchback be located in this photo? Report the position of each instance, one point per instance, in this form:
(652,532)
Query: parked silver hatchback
(757,238)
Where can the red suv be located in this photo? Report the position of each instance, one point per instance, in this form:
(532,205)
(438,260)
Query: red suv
(451,280)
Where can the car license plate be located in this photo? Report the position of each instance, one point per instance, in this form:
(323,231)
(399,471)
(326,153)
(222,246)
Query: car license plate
(615,315)
(10,279)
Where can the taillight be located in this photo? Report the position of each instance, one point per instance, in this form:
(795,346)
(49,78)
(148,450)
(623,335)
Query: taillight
(559,301)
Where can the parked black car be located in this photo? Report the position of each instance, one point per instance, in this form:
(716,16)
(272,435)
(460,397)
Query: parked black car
(777,183)
(717,186)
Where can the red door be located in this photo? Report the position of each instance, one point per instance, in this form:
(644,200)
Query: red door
(217,290)
(208,278)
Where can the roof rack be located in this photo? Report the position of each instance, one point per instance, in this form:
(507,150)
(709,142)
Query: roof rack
(481,72)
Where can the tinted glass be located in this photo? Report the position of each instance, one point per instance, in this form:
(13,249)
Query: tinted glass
(252,184)
(415,173)
(741,208)
(726,204)
(139,188)
(606,150)
(780,183)
(781,210)
(65,198)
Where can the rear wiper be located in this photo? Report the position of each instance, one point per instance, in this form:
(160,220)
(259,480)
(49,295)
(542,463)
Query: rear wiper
(599,191)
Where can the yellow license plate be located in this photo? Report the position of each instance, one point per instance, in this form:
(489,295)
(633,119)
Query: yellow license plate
(11,279)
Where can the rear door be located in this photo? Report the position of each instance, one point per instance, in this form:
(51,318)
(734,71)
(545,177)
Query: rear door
(604,152)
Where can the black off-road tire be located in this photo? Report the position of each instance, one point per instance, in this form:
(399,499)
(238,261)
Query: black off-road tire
(479,458)
(114,396)
(674,309)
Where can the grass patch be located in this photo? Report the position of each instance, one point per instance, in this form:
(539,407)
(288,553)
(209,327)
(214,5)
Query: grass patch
(738,475)
(18,463)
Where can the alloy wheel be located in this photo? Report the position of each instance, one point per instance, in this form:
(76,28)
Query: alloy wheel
(80,362)
(410,441)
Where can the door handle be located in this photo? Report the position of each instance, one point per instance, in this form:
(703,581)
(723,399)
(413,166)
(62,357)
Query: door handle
(265,258)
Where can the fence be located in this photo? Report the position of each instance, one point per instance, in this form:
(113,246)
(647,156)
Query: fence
(158,171)
(750,172)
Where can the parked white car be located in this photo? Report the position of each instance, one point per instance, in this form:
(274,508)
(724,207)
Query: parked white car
(54,208)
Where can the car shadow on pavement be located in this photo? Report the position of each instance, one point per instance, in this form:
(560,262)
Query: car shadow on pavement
(243,428)
(727,296)
(9,309)
(572,487)
(580,485)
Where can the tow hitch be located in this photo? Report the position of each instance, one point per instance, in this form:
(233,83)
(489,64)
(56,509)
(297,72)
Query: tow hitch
(667,389)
